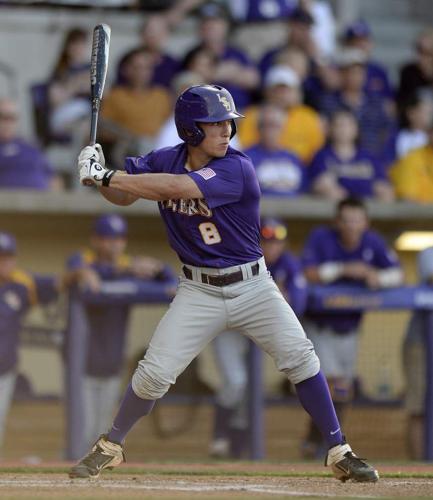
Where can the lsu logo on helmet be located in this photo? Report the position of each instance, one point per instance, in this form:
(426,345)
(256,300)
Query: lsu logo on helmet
(224,101)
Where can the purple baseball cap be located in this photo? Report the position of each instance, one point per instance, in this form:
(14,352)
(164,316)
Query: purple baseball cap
(357,29)
(8,244)
(110,225)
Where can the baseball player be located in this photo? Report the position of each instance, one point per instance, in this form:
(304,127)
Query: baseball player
(346,253)
(18,292)
(230,432)
(106,259)
(208,197)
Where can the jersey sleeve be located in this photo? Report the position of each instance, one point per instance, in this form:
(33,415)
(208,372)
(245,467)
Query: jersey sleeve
(140,164)
(311,254)
(222,182)
(384,257)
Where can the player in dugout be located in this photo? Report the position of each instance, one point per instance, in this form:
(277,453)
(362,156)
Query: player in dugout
(346,253)
(106,260)
(19,291)
(230,433)
(209,198)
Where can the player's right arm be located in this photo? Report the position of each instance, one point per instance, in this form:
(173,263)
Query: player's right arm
(122,188)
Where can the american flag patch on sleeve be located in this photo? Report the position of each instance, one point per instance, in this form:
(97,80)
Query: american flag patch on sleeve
(206,173)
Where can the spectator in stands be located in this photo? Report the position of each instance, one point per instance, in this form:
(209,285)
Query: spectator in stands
(412,175)
(230,437)
(154,35)
(419,72)
(347,253)
(19,291)
(279,172)
(302,133)
(376,126)
(358,35)
(417,116)
(342,169)
(134,112)
(105,260)
(233,70)
(201,61)
(414,362)
(324,28)
(69,87)
(299,36)
(22,165)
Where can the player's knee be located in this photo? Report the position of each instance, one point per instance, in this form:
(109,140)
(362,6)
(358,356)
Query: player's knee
(307,366)
(151,382)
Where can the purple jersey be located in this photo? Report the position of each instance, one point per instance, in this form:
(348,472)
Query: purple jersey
(323,246)
(356,175)
(221,229)
(16,296)
(279,172)
(108,326)
(287,273)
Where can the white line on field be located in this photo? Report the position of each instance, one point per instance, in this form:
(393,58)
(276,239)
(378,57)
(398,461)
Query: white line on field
(173,486)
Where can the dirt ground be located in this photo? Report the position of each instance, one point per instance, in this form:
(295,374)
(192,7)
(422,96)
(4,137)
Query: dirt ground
(240,482)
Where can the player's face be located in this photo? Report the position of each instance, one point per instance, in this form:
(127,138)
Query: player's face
(217,138)
(352,222)
(109,248)
(272,249)
(7,265)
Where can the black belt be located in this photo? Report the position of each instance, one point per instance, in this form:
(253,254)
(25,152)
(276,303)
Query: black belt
(221,279)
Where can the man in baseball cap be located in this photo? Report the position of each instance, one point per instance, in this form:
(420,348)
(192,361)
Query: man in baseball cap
(358,35)
(106,260)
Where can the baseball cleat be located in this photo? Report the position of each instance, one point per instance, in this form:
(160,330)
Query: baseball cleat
(104,455)
(347,466)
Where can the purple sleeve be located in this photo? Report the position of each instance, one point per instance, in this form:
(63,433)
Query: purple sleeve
(317,166)
(384,257)
(140,164)
(311,255)
(222,182)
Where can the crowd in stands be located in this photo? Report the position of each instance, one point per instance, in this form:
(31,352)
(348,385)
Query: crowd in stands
(321,116)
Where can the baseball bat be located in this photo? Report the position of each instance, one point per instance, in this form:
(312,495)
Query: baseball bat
(98,72)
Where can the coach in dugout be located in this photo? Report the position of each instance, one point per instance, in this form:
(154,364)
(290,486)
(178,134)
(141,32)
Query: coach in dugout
(18,292)
(346,253)
(106,260)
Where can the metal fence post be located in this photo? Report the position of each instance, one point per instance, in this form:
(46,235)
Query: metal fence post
(256,402)
(428,413)
(75,351)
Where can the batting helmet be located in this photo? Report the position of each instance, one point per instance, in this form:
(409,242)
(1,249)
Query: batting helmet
(203,103)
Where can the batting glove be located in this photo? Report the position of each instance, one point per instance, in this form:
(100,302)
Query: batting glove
(92,152)
(94,174)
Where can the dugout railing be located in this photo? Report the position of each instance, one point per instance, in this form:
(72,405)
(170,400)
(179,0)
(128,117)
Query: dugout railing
(335,299)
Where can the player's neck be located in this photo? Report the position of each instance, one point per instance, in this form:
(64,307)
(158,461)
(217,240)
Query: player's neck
(197,159)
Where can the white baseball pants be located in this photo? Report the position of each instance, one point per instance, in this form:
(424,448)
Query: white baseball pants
(199,312)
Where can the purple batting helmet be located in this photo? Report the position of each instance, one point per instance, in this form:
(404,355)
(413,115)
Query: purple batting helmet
(203,103)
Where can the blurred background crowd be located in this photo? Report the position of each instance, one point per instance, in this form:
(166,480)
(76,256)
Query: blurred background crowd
(323,116)
(338,103)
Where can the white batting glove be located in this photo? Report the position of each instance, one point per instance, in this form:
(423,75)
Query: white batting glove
(93,173)
(94,152)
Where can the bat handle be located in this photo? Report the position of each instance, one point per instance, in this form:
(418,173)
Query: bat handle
(94,123)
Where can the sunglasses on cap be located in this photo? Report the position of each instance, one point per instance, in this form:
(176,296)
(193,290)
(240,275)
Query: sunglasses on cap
(274,232)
